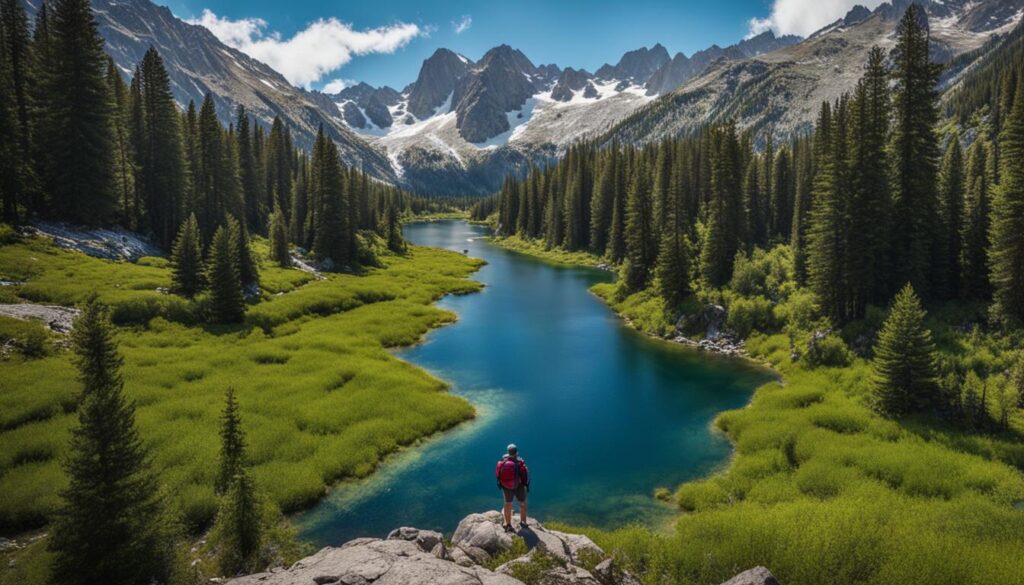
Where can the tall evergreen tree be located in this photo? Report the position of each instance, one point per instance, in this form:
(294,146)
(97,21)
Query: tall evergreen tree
(251,193)
(19,69)
(724,227)
(1006,256)
(187,259)
(227,305)
(232,442)
(641,237)
(162,179)
(278,234)
(974,234)
(951,193)
(124,154)
(915,151)
(109,528)
(76,128)
(332,233)
(248,271)
(904,366)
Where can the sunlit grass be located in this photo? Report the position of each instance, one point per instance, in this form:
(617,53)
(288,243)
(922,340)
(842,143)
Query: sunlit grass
(321,397)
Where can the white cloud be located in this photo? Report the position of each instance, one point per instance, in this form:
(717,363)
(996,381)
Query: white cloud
(324,46)
(336,85)
(462,25)
(803,17)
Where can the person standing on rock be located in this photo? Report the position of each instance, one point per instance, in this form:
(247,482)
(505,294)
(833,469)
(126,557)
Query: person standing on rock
(514,481)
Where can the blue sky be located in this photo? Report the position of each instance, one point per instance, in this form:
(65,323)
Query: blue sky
(313,42)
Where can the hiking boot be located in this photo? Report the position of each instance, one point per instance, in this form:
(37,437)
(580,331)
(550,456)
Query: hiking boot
(524,524)
(509,529)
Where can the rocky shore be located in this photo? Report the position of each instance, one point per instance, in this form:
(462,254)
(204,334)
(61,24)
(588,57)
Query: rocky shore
(480,552)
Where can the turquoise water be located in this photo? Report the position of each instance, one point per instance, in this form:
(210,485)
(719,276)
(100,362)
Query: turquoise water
(602,415)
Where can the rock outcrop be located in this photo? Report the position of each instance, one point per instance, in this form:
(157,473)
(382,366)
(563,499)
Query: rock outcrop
(480,553)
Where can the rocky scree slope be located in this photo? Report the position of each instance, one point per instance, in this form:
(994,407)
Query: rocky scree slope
(479,554)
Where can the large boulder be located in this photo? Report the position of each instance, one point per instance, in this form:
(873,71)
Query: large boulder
(755,576)
(483,531)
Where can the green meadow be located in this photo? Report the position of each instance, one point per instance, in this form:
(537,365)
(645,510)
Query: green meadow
(821,488)
(322,398)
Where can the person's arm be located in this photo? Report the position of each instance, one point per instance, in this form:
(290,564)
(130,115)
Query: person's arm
(525,474)
(497,474)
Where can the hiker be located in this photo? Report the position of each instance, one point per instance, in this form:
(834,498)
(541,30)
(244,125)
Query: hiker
(514,480)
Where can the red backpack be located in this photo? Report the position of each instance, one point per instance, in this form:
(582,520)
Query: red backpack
(508,472)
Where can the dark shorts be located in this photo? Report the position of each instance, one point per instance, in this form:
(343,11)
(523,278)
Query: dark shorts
(519,493)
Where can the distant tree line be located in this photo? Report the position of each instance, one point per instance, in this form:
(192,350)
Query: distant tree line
(873,199)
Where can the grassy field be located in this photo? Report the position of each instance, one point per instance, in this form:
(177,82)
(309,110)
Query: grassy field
(322,398)
(537,249)
(822,489)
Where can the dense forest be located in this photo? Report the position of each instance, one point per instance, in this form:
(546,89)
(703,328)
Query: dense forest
(82,145)
(873,199)
(882,195)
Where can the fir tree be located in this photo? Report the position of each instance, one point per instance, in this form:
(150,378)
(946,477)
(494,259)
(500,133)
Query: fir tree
(332,235)
(18,64)
(76,128)
(239,527)
(951,193)
(232,442)
(227,305)
(974,232)
(914,151)
(251,193)
(641,242)
(905,376)
(1006,256)
(187,259)
(724,227)
(393,230)
(601,205)
(248,272)
(278,239)
(162,178)
(109,528)
(124,155)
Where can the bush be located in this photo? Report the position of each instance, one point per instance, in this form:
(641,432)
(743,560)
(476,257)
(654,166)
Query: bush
(829,351)
(764,272)
(749,314)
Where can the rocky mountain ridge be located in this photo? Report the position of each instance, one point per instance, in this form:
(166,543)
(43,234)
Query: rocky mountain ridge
(198,63)
(778,93)
(480,553)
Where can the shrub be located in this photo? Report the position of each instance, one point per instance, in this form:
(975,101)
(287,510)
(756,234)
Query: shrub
(747,314)
(829,351)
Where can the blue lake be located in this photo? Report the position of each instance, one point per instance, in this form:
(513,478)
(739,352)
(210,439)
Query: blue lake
(602,415)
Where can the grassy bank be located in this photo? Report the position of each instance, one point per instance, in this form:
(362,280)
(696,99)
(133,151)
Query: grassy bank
(537,249)
(321,397)
(822,489)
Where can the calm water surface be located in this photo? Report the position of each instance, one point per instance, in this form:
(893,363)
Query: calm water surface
(601,414)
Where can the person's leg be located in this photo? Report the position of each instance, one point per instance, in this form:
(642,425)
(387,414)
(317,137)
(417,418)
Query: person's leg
(522,504)
(507,510)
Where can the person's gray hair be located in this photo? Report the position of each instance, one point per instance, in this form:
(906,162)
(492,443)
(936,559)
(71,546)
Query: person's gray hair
(512,449)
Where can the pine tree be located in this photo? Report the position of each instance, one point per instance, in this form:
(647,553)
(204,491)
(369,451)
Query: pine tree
(227,305)
(641,242)
(124,155)
(905,375)
(187,259)
(827,266)
(109,527)
(248,272)
(673,269)
(601,205)
(232,442)
(951,193)
(724,228)
(251,193)
(802,202)
(279,239)
(870,206)
(162,176)
(239,527)
(76,128)
(332,239)
(915,151)
(782,193)
(18,64)
(393,230)
(974,233)
(1006,255)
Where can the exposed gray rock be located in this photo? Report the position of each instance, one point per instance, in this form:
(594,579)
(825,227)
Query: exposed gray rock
(109,244)
(755,576)
(58,319)
(409,556)
(438,77)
